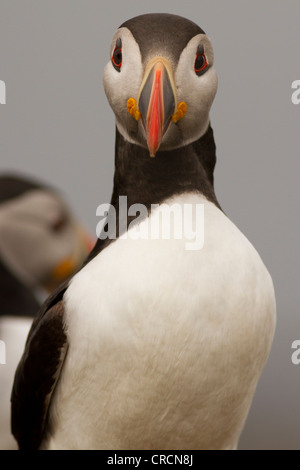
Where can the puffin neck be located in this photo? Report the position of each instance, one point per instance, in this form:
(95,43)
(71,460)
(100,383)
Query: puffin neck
(145,180)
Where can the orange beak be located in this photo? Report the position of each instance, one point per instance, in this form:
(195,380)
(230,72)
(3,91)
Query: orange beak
(157,101)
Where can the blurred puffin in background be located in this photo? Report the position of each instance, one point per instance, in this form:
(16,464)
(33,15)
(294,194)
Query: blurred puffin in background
(41,244)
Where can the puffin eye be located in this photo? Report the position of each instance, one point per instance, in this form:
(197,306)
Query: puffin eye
(58,225)
(201,63)
(117,56)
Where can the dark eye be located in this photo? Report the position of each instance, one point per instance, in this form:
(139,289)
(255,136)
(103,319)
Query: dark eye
(58,224)
(201,63)
(117,56)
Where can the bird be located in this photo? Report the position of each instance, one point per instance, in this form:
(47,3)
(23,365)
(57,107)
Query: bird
(41,244)
(158,342)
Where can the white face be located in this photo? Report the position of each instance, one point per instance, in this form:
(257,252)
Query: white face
(37,233)
(196,90)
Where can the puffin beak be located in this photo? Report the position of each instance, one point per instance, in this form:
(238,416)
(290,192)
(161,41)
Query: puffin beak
(157,101)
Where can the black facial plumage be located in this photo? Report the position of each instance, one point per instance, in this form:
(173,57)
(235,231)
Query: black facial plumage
(163,29)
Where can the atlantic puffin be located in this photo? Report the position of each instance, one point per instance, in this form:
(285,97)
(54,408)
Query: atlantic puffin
(152,345)
(41,244)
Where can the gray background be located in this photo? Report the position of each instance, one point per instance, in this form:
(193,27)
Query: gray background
(57,125)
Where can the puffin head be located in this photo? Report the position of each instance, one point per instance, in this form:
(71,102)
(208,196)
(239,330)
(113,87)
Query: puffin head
(41,241)
(160,81)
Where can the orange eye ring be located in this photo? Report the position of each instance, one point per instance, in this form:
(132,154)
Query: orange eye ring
(201,63)
(117,58)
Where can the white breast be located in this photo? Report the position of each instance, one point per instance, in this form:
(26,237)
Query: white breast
(166,344)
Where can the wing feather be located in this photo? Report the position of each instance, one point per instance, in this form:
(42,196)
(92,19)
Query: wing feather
(37,375)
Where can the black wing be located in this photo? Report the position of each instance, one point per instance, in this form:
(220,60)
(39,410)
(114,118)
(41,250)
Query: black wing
(40,367)
(37,375)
